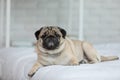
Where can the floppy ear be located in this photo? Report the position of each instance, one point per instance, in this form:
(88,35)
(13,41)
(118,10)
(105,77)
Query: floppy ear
(37,33)
(63,32)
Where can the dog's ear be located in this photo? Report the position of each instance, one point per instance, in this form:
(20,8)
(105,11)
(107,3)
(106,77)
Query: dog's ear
(37,33)
(63,32)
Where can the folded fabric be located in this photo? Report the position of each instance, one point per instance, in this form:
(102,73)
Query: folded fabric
(16,63)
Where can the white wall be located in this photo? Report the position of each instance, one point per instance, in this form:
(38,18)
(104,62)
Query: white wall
(2,27)
(101,19)
(29,15)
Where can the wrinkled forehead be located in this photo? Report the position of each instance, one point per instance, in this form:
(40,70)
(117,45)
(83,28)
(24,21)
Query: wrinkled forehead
(50,30)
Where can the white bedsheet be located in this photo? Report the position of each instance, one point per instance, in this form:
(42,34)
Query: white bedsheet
(16,63)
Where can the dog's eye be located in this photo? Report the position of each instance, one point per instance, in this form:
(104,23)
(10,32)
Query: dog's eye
(43,36)
(57,35)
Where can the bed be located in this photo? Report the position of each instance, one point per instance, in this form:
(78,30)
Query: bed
(15,64)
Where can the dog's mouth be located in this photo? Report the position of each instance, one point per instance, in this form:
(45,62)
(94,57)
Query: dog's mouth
(51,42)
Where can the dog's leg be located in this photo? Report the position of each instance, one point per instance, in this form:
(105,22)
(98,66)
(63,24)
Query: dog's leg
(91,53)
(74,61)
(35,67)
(109,58)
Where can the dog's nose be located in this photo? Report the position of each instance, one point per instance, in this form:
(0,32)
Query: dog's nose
(50,44)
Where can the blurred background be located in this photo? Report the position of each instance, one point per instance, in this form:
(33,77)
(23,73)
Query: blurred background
(96,21)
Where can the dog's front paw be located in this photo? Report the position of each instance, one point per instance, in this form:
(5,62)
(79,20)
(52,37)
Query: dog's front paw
(35,67)
(74,62)
(30,74)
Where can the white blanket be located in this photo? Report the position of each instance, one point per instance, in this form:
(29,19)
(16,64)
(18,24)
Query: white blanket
(15,64)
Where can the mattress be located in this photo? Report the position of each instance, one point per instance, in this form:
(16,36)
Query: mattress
(15,64)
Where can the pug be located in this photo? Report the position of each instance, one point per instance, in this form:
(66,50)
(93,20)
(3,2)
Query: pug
(53,47)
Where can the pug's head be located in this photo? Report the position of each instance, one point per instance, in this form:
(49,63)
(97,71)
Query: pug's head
(50,37)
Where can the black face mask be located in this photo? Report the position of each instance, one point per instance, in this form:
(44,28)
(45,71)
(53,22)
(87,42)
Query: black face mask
(50,42)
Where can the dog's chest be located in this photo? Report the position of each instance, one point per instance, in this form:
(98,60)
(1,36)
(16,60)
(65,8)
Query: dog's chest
(54,60)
